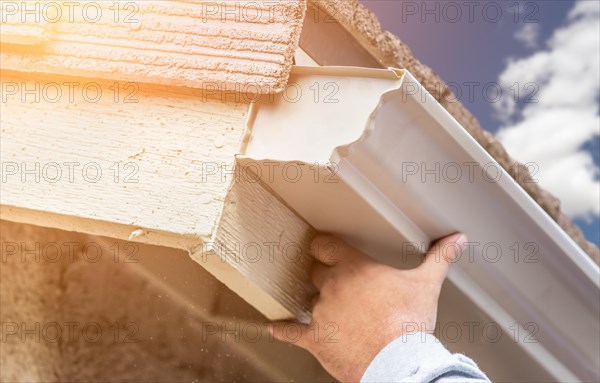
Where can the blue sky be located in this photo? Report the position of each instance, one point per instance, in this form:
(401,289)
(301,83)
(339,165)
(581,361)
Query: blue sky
(477,45)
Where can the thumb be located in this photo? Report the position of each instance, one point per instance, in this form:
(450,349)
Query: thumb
(291,332)
(441,256)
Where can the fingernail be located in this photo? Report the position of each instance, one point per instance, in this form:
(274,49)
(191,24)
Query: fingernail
(461,243)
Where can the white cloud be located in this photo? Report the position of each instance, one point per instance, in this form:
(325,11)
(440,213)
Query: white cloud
(528,34)
(566,116)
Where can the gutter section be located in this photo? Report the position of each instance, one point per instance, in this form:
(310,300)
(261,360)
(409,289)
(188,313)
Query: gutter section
(388,169)
(290,141)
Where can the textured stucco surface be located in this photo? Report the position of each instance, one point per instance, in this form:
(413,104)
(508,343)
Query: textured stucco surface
(144,334)
(139,313)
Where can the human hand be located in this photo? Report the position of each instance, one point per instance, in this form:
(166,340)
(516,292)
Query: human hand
(369,304)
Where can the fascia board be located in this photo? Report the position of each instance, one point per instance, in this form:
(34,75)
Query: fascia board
(378,211)
(248,48)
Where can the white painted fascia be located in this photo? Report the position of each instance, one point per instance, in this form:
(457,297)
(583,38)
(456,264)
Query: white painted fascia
(357,156)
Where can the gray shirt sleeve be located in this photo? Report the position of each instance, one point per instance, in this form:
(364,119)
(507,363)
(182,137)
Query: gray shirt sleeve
(421,357)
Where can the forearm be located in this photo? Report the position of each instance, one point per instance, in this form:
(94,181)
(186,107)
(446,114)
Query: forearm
(421,357)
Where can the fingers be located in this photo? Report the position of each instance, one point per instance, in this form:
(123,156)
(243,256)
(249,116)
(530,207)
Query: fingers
(331,250)
(441,256)
(291,332)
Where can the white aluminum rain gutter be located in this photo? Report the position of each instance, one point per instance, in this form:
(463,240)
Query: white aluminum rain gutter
(371,156)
